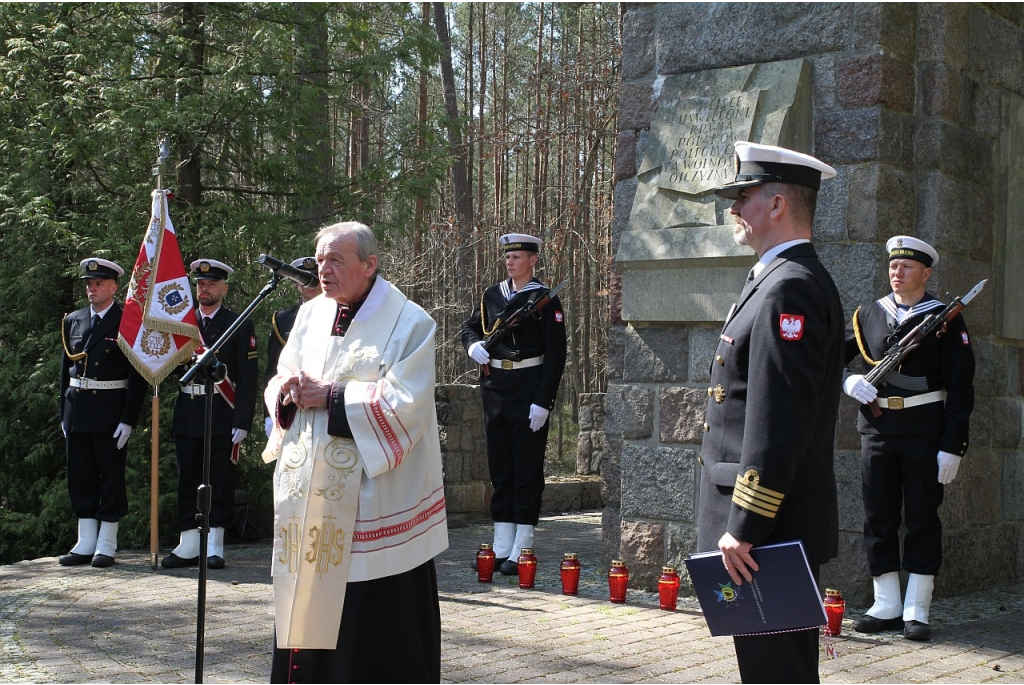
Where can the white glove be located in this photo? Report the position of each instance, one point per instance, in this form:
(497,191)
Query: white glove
(949,464)
(238,435)
(478,353)
(268,425)
(538,417)
(859,389)
(122,433)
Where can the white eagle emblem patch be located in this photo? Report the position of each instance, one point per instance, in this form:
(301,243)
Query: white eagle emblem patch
(791,326)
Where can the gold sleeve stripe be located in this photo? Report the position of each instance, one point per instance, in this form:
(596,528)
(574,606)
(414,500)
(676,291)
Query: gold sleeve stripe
(760,498)
(277,331)
(741,502)
(757,488)
(860,339)
(746,495)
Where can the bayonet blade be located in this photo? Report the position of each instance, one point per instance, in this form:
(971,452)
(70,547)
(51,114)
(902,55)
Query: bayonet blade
(974,291)
(558,288)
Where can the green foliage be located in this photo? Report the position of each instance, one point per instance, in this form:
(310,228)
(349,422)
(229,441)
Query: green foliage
(258,102)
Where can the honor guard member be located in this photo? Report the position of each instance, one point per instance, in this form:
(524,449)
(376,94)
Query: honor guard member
(518,394)
(234,404)
(281,325)
(767,473)
(913,449)
(100,400)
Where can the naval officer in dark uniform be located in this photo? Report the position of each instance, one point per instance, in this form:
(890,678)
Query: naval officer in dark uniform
(525,370)
(281,325)
(913,449)
(100,399)
(767,471)
(234,405)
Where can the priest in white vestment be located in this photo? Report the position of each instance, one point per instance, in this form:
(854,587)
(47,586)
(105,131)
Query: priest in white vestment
(359,509)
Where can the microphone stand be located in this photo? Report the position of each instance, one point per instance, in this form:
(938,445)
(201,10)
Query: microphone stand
(211,371)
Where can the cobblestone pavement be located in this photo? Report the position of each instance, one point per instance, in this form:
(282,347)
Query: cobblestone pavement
(132,624)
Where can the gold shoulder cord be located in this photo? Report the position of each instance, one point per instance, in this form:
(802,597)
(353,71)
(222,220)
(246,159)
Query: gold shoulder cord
(483,319)
(277,331)
(860,339)
(67,350)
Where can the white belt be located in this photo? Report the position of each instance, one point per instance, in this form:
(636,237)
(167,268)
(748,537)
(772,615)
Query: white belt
(193,389)
(895,403)
(508,364)
(92,384)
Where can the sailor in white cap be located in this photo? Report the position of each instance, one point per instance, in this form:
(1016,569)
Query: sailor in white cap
(234,404)
(281,325)
(773,395)
(100,399)
(913,449)
(522,375)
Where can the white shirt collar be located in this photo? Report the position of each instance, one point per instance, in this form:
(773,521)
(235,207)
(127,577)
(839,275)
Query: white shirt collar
(210,315)
(103,313)
(771,254)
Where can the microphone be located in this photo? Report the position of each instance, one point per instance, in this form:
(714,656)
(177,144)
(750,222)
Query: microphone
(303,278)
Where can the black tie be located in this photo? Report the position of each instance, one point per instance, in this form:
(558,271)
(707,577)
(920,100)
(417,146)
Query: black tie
(92,327)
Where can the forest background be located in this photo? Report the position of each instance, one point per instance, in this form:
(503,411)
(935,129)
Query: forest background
(440,125)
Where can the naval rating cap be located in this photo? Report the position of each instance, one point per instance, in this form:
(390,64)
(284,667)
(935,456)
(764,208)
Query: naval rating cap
(757,164)
(906,247)
(511,242)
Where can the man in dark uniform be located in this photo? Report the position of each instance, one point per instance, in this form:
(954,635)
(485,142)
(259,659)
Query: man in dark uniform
(913,449)
(281,325)
(518,393)
(234,404)
(100,400)
(767,471)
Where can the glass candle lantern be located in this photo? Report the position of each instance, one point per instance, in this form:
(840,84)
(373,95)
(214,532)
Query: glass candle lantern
(668,588)
(570,574)
(485,563)
(527,568)
(618,579)
(835,607)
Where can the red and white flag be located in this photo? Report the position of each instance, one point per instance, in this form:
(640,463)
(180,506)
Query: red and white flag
(158,327)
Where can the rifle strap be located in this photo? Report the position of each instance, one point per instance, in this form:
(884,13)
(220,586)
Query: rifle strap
(860,339)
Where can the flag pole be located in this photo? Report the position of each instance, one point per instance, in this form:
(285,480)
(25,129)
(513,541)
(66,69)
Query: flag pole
(154,469)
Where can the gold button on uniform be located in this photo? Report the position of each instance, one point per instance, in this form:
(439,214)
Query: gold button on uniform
(710,392)
(706,427)
(700,460)
(720,360)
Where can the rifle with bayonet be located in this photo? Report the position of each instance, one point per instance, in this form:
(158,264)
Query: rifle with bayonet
(533,307)
(933,324)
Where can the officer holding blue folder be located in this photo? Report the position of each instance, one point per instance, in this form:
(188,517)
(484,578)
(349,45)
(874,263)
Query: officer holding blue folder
(767,471)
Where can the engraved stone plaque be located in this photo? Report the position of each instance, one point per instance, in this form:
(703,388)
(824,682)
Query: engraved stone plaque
(677,256)
(700,140)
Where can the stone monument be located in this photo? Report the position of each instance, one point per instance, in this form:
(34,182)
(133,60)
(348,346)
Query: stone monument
(920,108)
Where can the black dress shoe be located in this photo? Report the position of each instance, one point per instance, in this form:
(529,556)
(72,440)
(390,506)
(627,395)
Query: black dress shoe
(172,560)
(870,624)
(215,562)
(509,568)
(497,562)
(915,630)
(74,559)
(102,561)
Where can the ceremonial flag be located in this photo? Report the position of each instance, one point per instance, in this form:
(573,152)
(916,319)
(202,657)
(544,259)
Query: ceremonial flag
(158,327)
